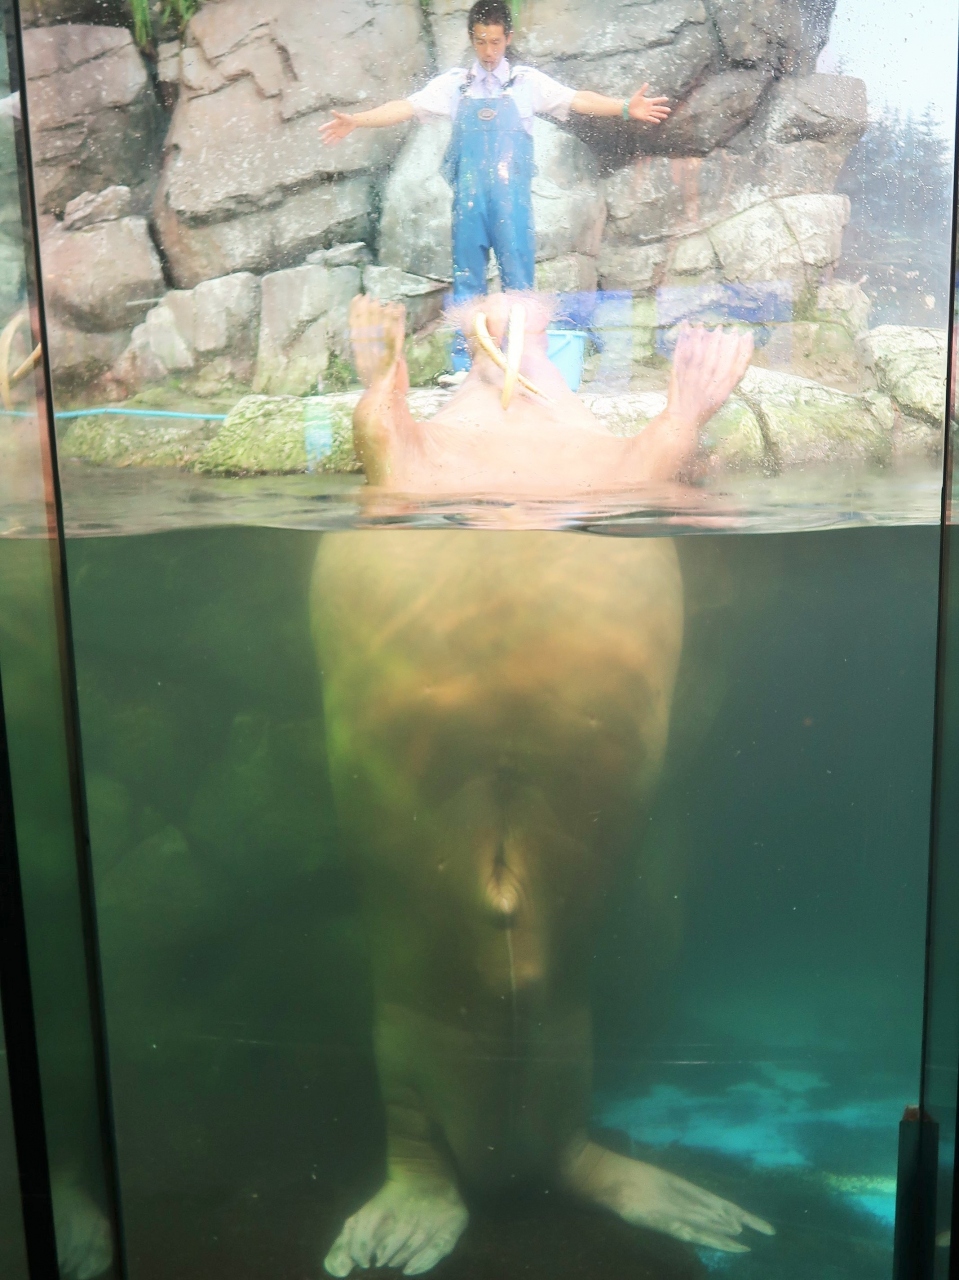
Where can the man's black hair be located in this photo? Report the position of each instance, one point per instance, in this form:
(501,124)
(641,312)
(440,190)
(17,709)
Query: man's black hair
(490,13)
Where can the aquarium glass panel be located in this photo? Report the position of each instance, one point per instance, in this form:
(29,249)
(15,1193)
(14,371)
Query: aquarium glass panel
(37,702)
(502,466)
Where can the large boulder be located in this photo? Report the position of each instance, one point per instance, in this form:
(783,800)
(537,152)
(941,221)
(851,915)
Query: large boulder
(113,440)
(94,116)
(283,434)
(246,183)
(776,421)
(417,206)
(761,208)
(421,296)
(191,328)
(78,357)
(303,319)
(325,214)
(102,278)
(910,365)
(569,202)
(713,60)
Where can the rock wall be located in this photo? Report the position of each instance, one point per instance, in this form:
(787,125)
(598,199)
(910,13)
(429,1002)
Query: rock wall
(230,197)
(258,76)
(94,116)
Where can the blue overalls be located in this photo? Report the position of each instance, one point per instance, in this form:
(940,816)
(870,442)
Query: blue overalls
(489,165)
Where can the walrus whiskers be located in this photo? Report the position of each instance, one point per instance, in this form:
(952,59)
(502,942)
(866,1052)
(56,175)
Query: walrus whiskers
(494,353)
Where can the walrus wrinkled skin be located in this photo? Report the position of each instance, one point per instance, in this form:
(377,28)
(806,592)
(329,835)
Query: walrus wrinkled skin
(497,707)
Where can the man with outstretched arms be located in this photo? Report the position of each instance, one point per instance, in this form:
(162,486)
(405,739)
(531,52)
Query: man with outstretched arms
(489,162)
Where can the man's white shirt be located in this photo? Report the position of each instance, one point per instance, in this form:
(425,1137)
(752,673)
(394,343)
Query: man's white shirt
(534,92)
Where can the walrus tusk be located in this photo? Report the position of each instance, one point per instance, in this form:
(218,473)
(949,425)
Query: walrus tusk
(516,337)
(494,353)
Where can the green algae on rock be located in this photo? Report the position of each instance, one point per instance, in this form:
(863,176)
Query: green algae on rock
(113,440)
(805,422)
(910,366)
(284,435)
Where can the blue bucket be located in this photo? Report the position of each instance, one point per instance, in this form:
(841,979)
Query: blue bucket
(566,348)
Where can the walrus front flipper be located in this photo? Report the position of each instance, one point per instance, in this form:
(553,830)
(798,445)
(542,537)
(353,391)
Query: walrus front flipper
(649,1197)
(410,1224)
(383,427)
(417,1216)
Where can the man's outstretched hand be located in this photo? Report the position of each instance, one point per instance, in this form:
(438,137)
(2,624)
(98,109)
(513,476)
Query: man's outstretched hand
(335,130)
(648,110)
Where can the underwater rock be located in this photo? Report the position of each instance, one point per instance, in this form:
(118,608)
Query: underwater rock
(162,887)
(226,192)
(259,803)
(94,117)
(910,365)
(303,318)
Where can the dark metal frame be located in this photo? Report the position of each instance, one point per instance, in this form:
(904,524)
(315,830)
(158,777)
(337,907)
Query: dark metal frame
(919,1164)
(23,1061)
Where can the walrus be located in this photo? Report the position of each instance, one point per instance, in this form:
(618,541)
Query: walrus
(497,708)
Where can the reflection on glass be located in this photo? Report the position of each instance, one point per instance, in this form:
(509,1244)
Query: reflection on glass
(548,870)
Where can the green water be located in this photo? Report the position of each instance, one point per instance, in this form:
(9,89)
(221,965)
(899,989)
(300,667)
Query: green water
(756,991)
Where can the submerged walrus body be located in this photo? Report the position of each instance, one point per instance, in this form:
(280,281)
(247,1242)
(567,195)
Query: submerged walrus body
(497,708)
